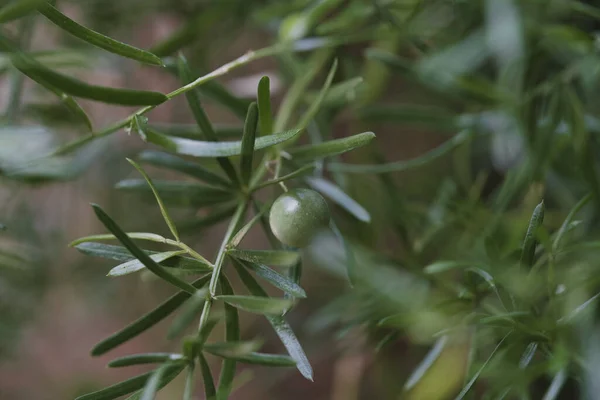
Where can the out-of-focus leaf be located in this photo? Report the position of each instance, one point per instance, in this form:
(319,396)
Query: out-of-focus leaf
(144,358)
(146,321)
(264,106)
(267,257)
(179,193)
(202,121)
(567,222)
(189,311)
(248,140)
(95,38)
(316,105)
(198,148)
(337,195)
(399,166)
(139,253)
(411,115)
(340,93)
(160,159)
(133,384)
(280,325)
(257,304)
(276,279)
(216,92)
(153,383)
(214,217)
(331,147)
(163,209)
(18,9)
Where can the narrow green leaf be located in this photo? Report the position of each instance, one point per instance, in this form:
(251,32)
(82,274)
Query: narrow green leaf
(411,115)
(166,259)
(248,140)
(210,393)
(567,222)
(268,257)
(268,360)
(333,192)
(276,279)
(215,216)
(279,324)
(232,349)
(139,253)
(146,321)
(198,148)
(135,265)
(443,266)
(77,88)
(133,384)
(163,209)
(18,9)
(331,147)
(264,106)
(95,38)
(191,131)
(188,390)
(179,193)
(190,309)
(161,159)
(235,241)
(426,363)
(316,105)
(202,119)
(297,173)
(73,106)
(153,237)
(399,166)
(257,304)
(340,93)
(472,381)
(557,384)
(144,358)
(530,241)
(232,335)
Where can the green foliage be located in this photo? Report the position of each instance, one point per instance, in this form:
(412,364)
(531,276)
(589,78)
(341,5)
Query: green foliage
(497,277)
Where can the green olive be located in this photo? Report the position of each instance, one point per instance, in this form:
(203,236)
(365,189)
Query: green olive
(297,215)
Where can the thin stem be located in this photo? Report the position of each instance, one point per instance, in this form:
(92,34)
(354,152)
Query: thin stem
(235,220)
(214,280)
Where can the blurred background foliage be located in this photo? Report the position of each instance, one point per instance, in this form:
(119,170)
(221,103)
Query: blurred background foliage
(463,284)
